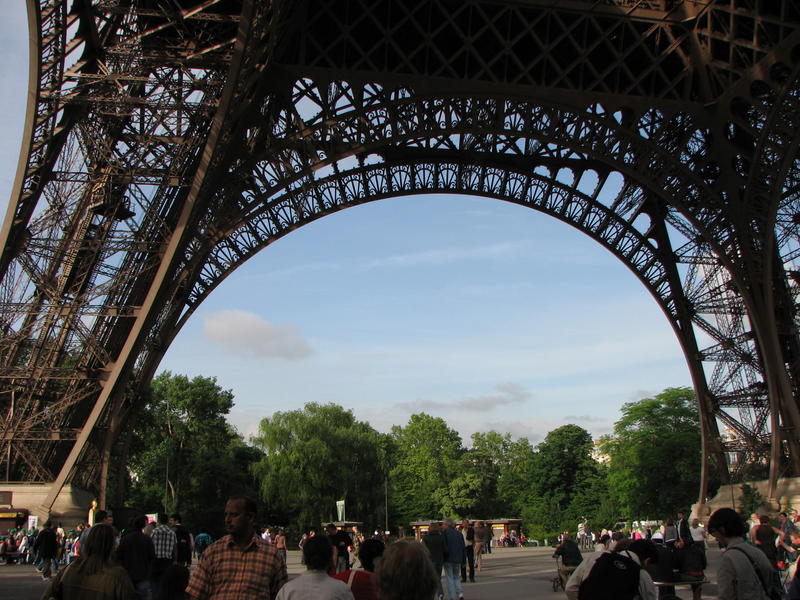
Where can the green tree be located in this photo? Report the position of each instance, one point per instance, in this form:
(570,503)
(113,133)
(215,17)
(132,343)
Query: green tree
(461,495)
(427,456)
(655,454)
(501,465)
(184,456)
(316,456)
(751,501)
(562,477)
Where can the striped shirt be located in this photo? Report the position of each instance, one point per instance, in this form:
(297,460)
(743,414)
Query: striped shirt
(226,572)
(164,541)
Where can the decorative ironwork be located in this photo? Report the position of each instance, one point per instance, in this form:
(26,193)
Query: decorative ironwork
(168,142)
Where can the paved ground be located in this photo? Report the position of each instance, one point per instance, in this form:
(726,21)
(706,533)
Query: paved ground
(508,574)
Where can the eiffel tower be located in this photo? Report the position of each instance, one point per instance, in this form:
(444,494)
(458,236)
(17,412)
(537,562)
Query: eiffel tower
(168,141)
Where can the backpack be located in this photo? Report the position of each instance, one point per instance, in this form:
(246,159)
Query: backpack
(613,576)
(201,542)
(183,538)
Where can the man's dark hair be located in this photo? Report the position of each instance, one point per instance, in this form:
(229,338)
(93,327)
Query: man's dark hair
(368,551)
(138,523)
(250,505)
(644,549)
(176,517)
(100,516)
(162,518)
(317,553)
(727,521)
(623,544)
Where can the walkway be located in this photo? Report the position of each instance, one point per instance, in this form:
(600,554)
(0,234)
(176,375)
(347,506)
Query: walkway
(508,574)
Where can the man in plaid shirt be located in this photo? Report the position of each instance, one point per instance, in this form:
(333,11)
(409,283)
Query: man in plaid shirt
(240,566)
(164,542)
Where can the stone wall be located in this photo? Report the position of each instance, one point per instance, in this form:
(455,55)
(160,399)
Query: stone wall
(787,495)
(71,506)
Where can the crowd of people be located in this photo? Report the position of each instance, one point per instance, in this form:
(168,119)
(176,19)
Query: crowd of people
(150,560)
(147,560)
(18,545)
(758,560)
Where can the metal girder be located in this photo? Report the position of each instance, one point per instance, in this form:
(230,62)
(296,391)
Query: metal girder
(168,142)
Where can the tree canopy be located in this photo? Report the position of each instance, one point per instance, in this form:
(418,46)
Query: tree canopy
(185,457)
(426,457)
(654,454)
(316,456)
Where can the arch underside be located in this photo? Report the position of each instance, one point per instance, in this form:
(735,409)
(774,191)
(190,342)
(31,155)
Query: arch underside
(553,160)
(686,169)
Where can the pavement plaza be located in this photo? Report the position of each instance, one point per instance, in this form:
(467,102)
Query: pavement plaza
(507,574)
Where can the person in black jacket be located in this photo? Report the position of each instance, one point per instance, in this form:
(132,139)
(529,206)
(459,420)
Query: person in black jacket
(692,564)
(468,531)
(185,545)
(684,533)
(136,553)
(46,548)
(570,555)
(434,542)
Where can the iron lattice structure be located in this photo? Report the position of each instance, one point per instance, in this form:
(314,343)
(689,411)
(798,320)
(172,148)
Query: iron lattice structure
(168,141)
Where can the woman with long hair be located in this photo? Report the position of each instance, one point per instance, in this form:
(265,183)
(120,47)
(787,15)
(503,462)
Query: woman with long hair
(361,582)
(93,576)
(406,572)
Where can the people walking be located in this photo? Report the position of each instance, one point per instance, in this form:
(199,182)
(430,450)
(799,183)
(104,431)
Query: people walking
(241,564)
(136,554)
(46,548)
(454,553)
(94,575)
(468,564)
(183,538)
(362,582)
(315,582)
(164,542)
(434,542)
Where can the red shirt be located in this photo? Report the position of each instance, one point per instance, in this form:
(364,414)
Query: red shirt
(362,587)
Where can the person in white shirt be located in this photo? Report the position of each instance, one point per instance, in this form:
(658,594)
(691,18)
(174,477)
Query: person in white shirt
(315,582)
(698,532)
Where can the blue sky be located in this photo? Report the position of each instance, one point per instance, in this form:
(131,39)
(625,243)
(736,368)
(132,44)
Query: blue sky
(487,314)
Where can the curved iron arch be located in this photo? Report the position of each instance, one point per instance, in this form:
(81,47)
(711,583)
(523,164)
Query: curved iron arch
(671,172)
(111,302)
(369,183)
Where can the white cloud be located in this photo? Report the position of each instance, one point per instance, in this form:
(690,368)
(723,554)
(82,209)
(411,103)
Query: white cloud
(505,394)
(247,334)
(448,255)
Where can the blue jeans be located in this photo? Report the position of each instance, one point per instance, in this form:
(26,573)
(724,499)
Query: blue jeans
(452,573)
(143,589)
(49,567)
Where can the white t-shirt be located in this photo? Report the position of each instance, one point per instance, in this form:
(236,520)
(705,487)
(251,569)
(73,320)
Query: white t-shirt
(698,533)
